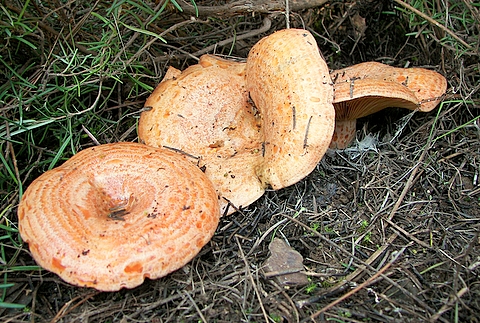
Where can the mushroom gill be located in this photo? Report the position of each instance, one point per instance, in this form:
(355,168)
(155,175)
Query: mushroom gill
(369,87)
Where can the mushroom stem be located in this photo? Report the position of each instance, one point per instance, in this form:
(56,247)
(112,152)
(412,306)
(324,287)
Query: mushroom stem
(343,134)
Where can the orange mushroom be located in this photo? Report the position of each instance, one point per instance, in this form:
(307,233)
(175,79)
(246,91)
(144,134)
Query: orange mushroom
(288,80)
(366,88)
(114,214)
(274,138)
(205,111)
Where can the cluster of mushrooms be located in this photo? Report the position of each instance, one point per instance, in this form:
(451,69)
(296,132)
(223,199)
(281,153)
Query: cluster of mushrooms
(213,138)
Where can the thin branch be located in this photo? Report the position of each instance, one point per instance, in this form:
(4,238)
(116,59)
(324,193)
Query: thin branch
(196,307)
(249,273)
(242,7)
(446,307)
(434,22)
(267,23)
(362,285)
(287,13)
(49,29)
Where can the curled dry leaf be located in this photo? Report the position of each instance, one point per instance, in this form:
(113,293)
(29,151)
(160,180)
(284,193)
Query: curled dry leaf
(366,88)
(115,214)
(285,264)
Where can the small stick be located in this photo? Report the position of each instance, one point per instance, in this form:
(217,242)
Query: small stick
(287,14)
(196,307)
(405,233)
(446,307)
(361,286)
(267,23)
(49,29)
(152,41)
(90,135)
(67,308)
(433,22)
(276,273)
(251,279)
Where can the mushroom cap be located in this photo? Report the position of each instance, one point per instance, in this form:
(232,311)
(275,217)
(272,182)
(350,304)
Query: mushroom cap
(275,138)
(205,111)
(171,73)
(375,86)
(369,87)
(114,214)
(289,82)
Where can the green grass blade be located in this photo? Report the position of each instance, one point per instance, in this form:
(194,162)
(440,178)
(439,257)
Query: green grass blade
(143,31)
(11,305)
(60,151)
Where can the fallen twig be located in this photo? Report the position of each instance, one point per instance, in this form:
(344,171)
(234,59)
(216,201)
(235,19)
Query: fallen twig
(361,286)
(242,7)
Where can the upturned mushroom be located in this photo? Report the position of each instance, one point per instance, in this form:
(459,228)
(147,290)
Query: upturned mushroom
(205,111)
(266,122)
(115,214)
(366,88)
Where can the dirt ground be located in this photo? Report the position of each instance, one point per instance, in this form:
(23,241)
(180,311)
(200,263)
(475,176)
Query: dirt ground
(388,228)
